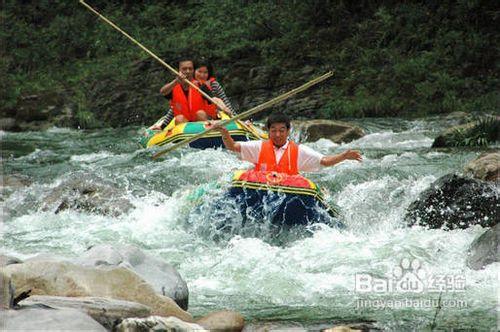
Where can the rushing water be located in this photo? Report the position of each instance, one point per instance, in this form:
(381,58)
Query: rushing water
(309,277)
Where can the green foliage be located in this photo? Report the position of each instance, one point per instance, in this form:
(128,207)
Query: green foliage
(391,58)
(483,132)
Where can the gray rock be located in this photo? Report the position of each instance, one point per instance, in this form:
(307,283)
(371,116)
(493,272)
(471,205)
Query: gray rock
(454,202)
(486,167)
(223,321)
(7,292)
(336,131)
(8,124)
(157,323)
(66,279)
(7,260)
(485,249)
(108,312)
(87,193)
(162,276)
(38,319)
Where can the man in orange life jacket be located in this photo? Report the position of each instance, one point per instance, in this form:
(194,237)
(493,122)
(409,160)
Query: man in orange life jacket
(281,155)
(187,103)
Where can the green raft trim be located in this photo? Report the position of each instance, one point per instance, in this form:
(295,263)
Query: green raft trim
(181,137)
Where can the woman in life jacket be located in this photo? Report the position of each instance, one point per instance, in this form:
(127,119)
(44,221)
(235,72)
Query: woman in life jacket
(204,75)
(201,109)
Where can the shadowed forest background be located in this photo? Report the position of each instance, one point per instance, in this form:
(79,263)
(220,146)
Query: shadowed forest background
(390,58)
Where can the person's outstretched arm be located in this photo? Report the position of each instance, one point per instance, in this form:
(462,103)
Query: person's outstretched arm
(229,143)
(335,159)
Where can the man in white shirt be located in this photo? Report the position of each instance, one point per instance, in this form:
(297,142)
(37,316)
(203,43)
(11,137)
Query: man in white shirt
(280,154)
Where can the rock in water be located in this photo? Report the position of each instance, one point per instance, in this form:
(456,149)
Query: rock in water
(7,260)
(36,319)
(223,321)
(7,292)
(485,249)
(86,193)
(157,323)
(162,276)
(336,131)
(66,279)
(486,167)
(455,202)
(108,312)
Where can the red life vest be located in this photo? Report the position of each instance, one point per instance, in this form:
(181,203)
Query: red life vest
(190,104)
(288,163)
(210,109)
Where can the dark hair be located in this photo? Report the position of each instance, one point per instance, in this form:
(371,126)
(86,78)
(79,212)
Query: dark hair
(204,63)
(278,118)
(184,59)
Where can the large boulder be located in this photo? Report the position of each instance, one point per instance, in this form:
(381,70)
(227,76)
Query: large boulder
(485,249)
(474,133)
(6,292)
(89,194)
(336,131)
(7,260)
(223,321)
(453,202)
(162,276)
(108,312)
(43,319)
(67,279)
(486,167)
(157,323)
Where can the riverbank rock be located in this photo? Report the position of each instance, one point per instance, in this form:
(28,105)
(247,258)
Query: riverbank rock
(43,319)
(470,134)
(486,167)
(336,131)
(223,321)
(41,111)
(67,279)
(8,124)
(455,202)
(162,276)
(157,323)
(485,249)
(300,327)
(7,260)
(107,312)
(6,291)
(89,194)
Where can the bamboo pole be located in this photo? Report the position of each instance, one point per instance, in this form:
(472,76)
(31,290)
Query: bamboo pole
(248,113)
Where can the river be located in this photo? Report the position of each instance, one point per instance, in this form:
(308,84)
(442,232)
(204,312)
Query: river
(313,277)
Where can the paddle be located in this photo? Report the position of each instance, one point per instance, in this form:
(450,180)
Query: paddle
(248,113)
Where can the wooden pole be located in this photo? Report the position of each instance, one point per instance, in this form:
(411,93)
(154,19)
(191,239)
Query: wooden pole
(248,113)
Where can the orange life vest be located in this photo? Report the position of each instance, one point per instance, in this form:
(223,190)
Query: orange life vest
(190,104)
(288,163)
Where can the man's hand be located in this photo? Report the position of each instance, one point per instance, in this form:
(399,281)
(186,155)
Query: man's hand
(226,137)
(338,158)
(180,78)
(352,155)
(216,126)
